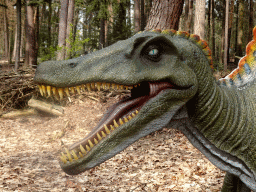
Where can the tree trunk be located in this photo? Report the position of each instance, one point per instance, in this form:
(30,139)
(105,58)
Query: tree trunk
(250,20)
(15,44)
(165,14)
(17,58)
(226,37)
(199,25)
(102,34)
(240,29)
(137,18)
(30,37)
(186,13)
(37,26)
(213,28)
(62,29)
(209,21)
(148,7)
(49,42)
(190,16)
(70,18)
(230,24)
(221,58)
(142,15)
(237,20)
(6,38)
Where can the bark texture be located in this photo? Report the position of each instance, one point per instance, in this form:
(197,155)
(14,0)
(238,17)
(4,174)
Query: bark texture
(62,29)
(199,25)
(165,14)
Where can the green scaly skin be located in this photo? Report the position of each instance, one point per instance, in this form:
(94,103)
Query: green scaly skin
(219,121)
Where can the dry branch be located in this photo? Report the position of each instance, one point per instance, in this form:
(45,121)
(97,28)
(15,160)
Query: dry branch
(19,113)
(46,107)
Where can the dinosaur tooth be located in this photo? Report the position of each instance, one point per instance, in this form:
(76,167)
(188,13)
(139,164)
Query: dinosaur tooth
(48,88)
(93,85)
(78,90)
(69,155)
(112,128)
(122,87)
(83,88)
(129,117)
(106,128)
(95,141)
(82,149)
(126,87)
(60,91)
(88,148)
(108,85)
(99,137)
(115,123)
(63,157)
(133,115)
(54,92)
(113,85)
(67,91)
(103,134)
(117,87)
(74,154)
(72,89)
(98,86)
(81,155)
(104,85)
(90,143)
(43,90)
(121,122)
(125,120)
(136,111)
(40,89)
(88,87)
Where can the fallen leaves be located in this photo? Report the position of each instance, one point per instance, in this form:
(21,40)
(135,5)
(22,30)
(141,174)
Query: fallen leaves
(164,162)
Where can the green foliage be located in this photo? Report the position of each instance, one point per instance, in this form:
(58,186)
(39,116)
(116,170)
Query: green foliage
(51,54)
(77,46)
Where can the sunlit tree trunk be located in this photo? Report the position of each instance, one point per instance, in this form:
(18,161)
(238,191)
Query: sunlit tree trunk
(70,18)
(62,29)
(6,33)
(226,36)
(213,28)
(199,24)
(240,28)
(165,14)
(17,58)
(49,41)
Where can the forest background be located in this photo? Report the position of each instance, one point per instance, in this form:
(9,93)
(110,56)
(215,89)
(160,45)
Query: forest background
(33,31)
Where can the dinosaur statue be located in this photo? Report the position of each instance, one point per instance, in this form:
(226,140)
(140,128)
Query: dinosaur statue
(170,77)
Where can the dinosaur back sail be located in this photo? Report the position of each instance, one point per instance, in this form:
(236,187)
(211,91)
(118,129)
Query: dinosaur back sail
(245,72)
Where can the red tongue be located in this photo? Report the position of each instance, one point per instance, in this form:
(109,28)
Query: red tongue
(156,87)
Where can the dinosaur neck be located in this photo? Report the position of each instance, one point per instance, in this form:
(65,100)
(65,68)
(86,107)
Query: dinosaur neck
(224,117)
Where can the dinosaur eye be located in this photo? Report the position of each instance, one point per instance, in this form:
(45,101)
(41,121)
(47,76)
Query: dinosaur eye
(153,52)
(72,65)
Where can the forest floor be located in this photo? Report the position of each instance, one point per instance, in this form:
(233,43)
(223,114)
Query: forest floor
(165,161)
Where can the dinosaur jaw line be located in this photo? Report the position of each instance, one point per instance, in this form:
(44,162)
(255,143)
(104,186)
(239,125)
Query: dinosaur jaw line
(117,115)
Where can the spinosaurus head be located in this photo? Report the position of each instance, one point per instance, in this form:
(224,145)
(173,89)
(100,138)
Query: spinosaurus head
(157,68)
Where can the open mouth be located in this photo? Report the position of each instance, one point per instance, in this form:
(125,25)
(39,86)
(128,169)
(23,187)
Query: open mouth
(117,115)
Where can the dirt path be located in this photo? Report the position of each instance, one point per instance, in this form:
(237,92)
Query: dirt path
(164,162)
